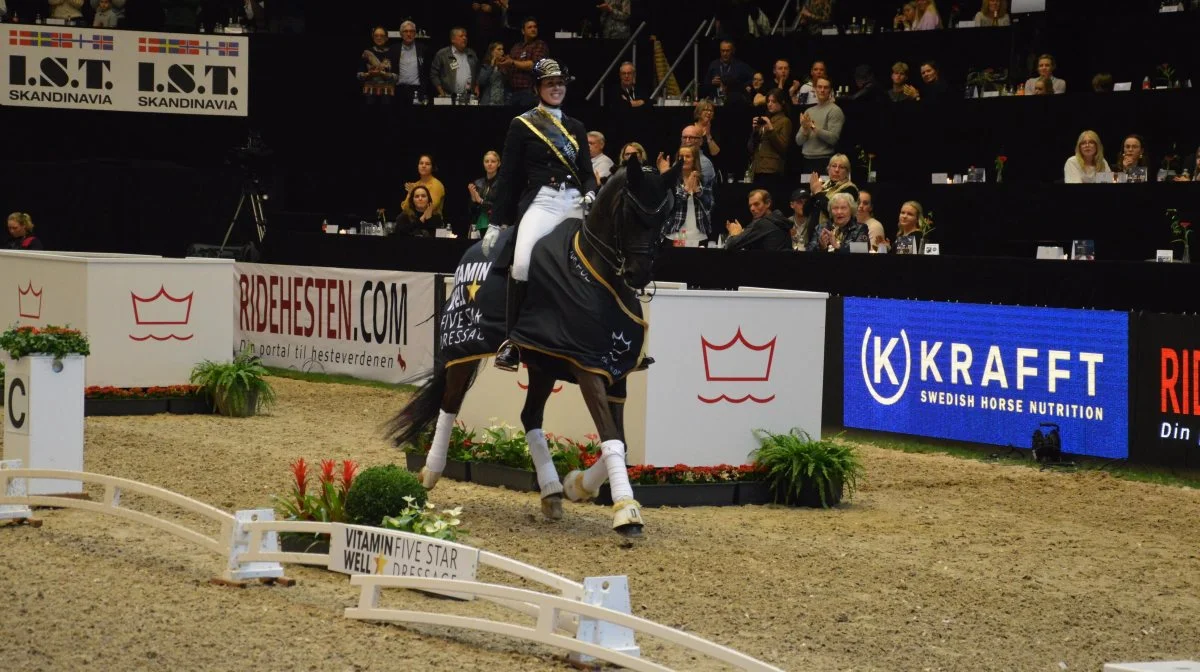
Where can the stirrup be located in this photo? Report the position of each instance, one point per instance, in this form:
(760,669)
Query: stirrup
(644,364)
(508,357)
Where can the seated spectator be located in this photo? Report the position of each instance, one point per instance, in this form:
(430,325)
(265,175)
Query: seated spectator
(614,19)
(815,16)
(411,65)
(481,191)
(455,69)
(1045,69)
(772,134)
(1133,157)
(631,95)
(993,14)
(866,89)
(68,9)
(705,111)
(842,227)
(376,74)
(425,178)
(866,216)
(1042,86)
(782,74)
(106,16)
(807,94)
(693,201)
(768,230)
(493,87)
(601,164)
(927,16)
(691,137)
(902,91)
(908,232)
(633,149)
(1102,82)
(839,181)
(726,74)
(20,233)
(417,216)
(906,18)
(800,231)
(820,128)
(117,7)
(933,87)
(1087,162)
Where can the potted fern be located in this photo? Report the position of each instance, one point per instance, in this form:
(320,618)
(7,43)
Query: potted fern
(807,472)
(239,388)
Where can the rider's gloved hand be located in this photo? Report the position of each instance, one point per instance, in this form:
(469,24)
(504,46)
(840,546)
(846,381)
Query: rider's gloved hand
(489,238)
(588,199)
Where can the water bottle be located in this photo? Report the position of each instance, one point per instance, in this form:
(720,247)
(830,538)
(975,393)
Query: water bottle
(416,97)
(38,18)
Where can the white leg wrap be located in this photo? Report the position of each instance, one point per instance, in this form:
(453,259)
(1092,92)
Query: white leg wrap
(436,460)
(612,454)
(595,476)
(539,450)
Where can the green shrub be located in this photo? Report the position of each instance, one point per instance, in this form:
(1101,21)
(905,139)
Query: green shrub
(379,491)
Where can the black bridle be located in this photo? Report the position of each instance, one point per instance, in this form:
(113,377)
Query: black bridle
(648,215)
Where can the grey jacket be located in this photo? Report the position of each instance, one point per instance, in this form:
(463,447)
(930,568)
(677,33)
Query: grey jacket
(443,75)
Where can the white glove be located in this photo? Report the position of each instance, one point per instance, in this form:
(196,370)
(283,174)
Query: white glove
(586,202)
(489,238)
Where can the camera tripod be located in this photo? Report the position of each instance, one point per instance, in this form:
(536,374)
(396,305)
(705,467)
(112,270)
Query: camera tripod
(252,193)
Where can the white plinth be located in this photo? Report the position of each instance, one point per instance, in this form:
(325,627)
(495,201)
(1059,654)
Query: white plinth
(1162,666)
(149,319)
(43,418)
(726,363)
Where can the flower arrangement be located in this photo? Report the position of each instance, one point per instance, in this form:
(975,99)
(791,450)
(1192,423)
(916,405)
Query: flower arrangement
(988,79)
(865,159)
(427,520)
(502,444)
(1182,232)
(157,392)
(1167,76)
(48,340)
(645,474)
(1001,160)
(328,503)
(925,226)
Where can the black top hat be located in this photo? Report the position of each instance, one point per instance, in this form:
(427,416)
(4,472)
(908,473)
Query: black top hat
(548,67)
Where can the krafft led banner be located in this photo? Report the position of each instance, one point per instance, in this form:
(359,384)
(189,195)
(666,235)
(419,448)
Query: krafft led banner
(988,374)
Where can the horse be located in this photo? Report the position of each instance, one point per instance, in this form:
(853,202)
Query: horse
(580,322)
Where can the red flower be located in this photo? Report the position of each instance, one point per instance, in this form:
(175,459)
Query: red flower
(1002,158)
(349,469)
(300,471)
(327,467)
(1185,225)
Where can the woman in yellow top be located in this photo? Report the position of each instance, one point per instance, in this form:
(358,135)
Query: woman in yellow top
(426,179)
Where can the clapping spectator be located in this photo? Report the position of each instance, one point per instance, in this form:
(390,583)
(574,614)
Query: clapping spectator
(493,88)
(726,74)
(601,165)
(1045,68)
(417,215)
(66,9)
(481,191)
(783,80)
(518,64)
(614,19)
(1087,162)
(839,181)
(757,90)
(768,230)
(927,16)
(425,178)
(705,111)
(105,16)
(693,200)
(376,74)
(1133,161)
(455,69)
(772,134)
(20,233)
(691,137)
(902,91)
(992,14)
(842,228)
(820,128)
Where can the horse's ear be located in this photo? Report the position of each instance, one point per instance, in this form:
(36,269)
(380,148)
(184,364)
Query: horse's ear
(633,172)
(672,175)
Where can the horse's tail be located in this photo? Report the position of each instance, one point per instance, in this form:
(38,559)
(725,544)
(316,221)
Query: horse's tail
(422,410)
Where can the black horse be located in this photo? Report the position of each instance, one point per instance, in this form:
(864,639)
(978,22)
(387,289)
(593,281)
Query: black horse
(581,322)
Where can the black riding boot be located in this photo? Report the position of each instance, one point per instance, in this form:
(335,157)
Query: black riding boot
(508,357)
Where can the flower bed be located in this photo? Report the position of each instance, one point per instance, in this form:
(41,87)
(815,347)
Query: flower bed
(176,399)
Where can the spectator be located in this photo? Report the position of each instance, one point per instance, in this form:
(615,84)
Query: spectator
(772,133)
(783,80)
(455,69)
(633,149)
(1102,82)
(68,9)
(820,128)
(839,181)
(411,64)
(816,15)
(1192,175)
(806,95)
(118,8)
(1133,161)
(425,178)
(1045,68)
(105,16)
(866,88)
(1087,162)
(906,18)
(481,191)
(493,89)
(614,19)
(630,95)
(418,217)
(933,87)
(518,64)
(1042,86)
(601,164)
(800,231)
(927,16)
(993,13)
(908,232)
(693,201)
(691,137)
(842,228)
(768,230)
(20,233)
(705,111)
(757,89)
(376,74)
(902,91)
(488,18)
(866,216)
(727,74)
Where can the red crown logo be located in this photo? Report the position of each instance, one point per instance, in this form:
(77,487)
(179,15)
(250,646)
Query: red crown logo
(162,309)
(29,302)
(746,364)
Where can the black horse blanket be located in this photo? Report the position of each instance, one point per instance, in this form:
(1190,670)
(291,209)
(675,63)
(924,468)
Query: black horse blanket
(570,316)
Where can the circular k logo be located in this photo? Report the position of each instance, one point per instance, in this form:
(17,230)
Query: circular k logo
(882,364)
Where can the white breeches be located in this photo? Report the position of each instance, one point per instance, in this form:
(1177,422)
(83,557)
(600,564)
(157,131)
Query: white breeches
(549,208)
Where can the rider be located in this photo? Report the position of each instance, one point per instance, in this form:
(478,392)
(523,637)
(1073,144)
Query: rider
(544,180)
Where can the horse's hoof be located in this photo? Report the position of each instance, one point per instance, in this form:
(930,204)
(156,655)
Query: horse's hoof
(552,508)
(574,490)
(429,478)
(627,518)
